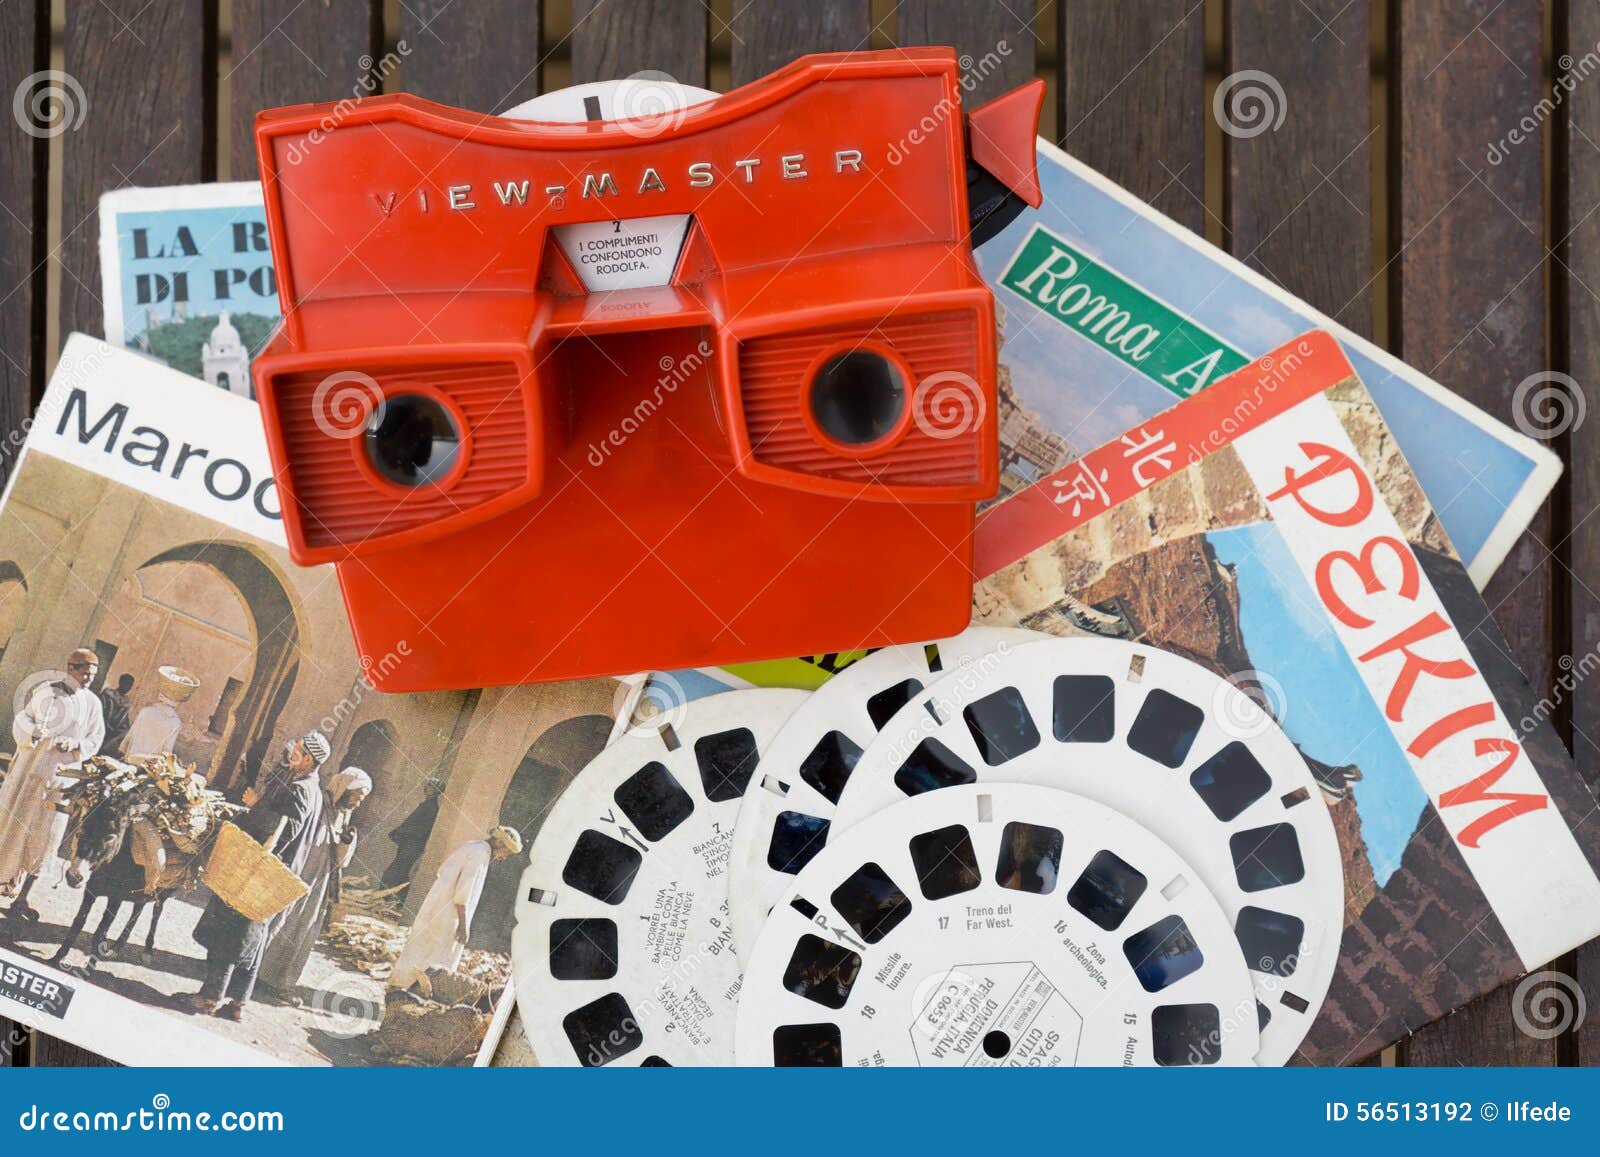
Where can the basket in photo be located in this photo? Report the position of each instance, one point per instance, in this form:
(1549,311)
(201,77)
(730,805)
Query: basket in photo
(248,878)
(176,683)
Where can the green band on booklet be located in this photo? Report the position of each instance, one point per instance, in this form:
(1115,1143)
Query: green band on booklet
(1117,315)
(807,673)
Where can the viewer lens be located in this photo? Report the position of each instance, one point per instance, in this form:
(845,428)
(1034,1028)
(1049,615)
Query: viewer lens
(412,441)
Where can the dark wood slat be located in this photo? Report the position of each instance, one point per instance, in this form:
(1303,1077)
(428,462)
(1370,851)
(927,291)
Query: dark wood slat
(162,136)
(312,52)
(1298,198)
(1469,288)
(995,40)
(768,35)
(1133,98)
(15,1044)
(24,51)
(48,1052)
(1577,327)
(611,40)
(165,54)
(482,56)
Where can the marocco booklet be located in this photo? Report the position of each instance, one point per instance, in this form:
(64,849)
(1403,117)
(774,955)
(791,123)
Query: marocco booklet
(1270,530)
(150,616)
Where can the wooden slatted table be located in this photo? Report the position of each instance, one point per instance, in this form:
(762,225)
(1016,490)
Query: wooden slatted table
(1374,200)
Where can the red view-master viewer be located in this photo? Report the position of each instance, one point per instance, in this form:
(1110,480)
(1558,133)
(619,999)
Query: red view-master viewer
(710,386)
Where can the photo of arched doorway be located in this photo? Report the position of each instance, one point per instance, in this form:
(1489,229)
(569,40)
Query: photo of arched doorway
(13,601)
(375,748)
(549,765)
(247,730)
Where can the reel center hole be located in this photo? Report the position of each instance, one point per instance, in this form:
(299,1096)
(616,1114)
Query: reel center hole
(412,440)
(858,397)
(996,1044)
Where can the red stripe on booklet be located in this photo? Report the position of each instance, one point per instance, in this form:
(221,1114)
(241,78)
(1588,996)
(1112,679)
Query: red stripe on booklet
(1193,429)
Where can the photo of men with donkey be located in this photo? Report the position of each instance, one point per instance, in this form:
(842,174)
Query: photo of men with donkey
(195,748)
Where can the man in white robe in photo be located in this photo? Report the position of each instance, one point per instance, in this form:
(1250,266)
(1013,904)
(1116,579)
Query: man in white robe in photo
(155,729)
(443,925)
(61,723)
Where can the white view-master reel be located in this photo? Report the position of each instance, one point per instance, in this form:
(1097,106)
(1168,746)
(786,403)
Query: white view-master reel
(997,925)
(1169,744)
(623,950)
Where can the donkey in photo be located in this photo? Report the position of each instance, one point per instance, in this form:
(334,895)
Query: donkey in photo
(99,854)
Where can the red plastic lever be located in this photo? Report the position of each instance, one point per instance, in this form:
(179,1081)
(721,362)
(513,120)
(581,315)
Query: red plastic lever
(1001,135)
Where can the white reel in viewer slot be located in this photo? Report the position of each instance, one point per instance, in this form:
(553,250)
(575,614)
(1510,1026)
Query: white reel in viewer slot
(1169,744)
(623,950)
(997,925)
(640,252)
(789,804)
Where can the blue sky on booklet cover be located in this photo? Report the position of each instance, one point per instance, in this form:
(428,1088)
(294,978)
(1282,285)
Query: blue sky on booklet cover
(1325,707)
(1090,397)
